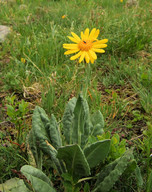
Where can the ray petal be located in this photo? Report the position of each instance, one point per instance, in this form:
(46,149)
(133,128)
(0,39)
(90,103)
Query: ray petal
(71,51)
(101,41)
(91,59)
(93,54)
(96,34)
(82,56)
(87,58)
(86,33)
(73,39)
(70,46)
(76,36)
(98,50)
(92,34)
(99,45)
(76,56)
(83,37)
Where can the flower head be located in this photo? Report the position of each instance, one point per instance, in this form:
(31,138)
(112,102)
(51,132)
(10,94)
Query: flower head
(87,46)
(63,16)
(23,60)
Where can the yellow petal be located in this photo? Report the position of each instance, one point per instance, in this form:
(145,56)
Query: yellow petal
(93,55)
(99,45)
(101,41)
(92,34)
(82,57)
(70,46)
(98,50)
(82,36)
(86,33)
(91,59)
(73,39)
(76,36)
(96,34)
(76,56)
(87,58)
(71,51)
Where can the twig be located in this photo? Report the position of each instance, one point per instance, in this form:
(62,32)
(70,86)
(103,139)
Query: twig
(137,137)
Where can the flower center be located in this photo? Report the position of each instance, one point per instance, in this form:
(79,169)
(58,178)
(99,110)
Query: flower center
(85,45)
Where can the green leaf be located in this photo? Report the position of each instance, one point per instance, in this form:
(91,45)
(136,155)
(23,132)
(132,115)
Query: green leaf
(41,134)
(106,171)
(132,165)
(67,177)
(97,152)
(37,153)
(97,123)
(14,185)
(67,119)
(149,182)
(139,178)
(75,160)
(81,122)
(86,187)
(111,173)
(39,181)
(11,111)
(54,132)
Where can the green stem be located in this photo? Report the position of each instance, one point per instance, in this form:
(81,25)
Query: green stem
(19,133)
(88,75)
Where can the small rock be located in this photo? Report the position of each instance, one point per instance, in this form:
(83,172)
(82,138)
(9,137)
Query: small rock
(6,1)
(132,2)
(4,31)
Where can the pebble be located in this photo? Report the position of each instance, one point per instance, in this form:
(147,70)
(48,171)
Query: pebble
(4,31)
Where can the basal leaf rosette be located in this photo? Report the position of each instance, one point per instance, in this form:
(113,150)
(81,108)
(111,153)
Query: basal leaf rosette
(85,47)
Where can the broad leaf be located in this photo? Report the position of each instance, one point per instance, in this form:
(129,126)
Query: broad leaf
(37,153)
(68,119)
(43,141)
(81,122)
(149,182)
(139,178)
(97,121)
(75,160)
(97,152)
(111,173)
(14,185)
(54,132)
(39,181)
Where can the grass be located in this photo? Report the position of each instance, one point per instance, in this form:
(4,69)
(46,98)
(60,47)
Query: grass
(120,79)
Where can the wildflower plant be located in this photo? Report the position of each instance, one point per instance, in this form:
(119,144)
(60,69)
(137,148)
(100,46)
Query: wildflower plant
(16,111)
(86,48)
(72,154)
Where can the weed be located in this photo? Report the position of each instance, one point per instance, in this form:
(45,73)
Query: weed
(16,112)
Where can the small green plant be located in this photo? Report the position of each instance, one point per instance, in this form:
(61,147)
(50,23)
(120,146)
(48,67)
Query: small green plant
(146,147)
(12,82)
(145,97)
(10,158)
(16,111)
(146,142)
(72,154)
(117,147)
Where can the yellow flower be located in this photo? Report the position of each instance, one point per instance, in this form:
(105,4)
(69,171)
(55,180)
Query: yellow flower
(63,16)
(121,1)
(87,46)
(22,60)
